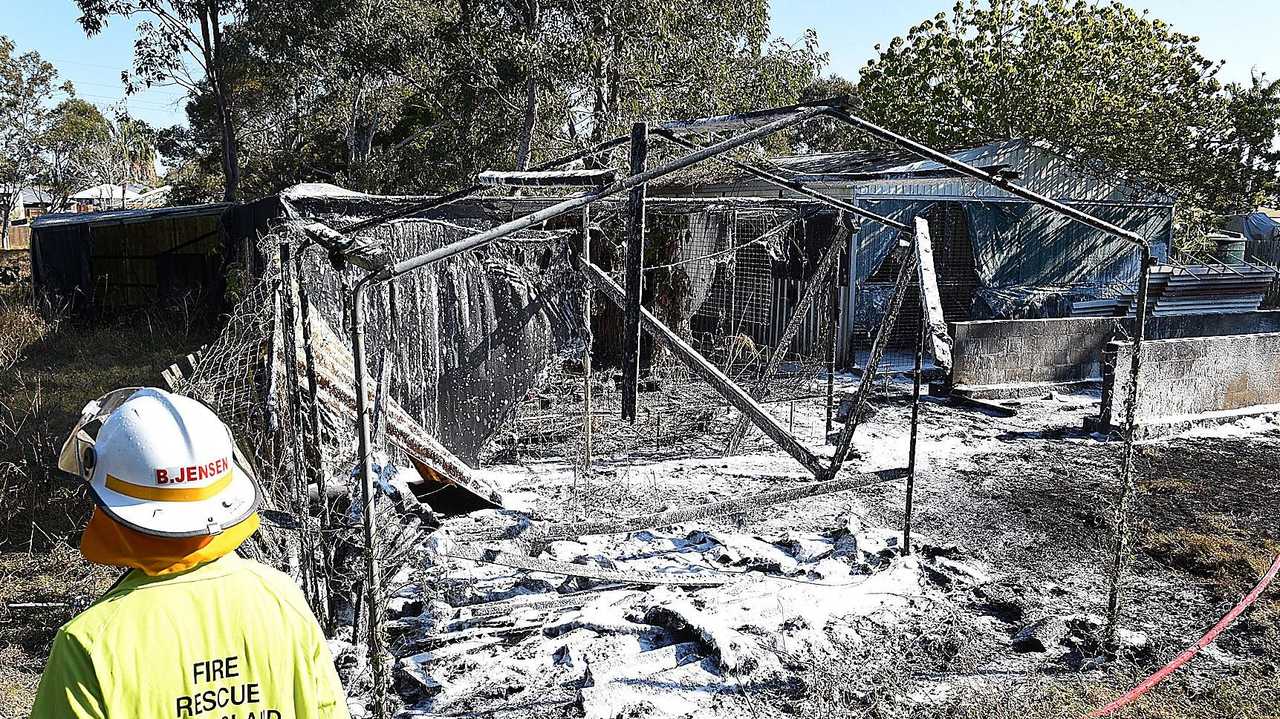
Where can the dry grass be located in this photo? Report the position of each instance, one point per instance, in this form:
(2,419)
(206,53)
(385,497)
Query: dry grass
(49,368)
(59,578)
(1251,694)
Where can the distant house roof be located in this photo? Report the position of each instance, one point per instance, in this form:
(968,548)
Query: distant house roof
(35,196)
(109,192)
(124,217)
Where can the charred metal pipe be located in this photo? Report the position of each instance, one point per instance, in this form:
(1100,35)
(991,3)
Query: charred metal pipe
(991,178)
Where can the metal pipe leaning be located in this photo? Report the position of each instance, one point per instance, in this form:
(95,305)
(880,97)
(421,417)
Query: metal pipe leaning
(965,168)
(789,184)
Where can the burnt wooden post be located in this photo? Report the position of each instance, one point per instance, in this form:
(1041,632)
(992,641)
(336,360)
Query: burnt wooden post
(915,430)
(313,451)
(833,321)
(587,291)
(634,273)
(930,297)
(1127,486)
(293,405)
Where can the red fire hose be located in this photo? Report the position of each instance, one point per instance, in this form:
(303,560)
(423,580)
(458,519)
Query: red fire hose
(1194,649)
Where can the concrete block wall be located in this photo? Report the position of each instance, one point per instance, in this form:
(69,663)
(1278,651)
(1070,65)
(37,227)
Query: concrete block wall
(1069,349)
(1000,352)
(1192,376)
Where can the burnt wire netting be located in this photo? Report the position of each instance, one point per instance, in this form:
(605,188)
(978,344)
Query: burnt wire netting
(726,278)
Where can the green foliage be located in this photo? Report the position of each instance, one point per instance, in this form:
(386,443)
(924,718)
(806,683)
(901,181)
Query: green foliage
(27,85)
(420,95)
(181,42)
(1121,90)
(77,129)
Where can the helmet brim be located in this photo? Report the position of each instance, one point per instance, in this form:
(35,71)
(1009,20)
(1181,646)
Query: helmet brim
(176,520)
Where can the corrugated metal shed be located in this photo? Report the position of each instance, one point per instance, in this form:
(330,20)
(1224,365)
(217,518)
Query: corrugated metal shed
(130,258)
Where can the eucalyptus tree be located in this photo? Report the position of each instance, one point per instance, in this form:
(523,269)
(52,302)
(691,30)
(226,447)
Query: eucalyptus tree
(76,131)
(181,43)
(28,85)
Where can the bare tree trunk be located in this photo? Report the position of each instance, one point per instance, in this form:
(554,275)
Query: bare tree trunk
(212,36)
(4,224)
(531,18)
(530,122)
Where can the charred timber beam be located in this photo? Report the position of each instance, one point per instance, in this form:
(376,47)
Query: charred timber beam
(570,569)
(993,178)
(930,297)
(547,178)
(699,512)
(624,185)
(634,274)
(734,394)
(789,184)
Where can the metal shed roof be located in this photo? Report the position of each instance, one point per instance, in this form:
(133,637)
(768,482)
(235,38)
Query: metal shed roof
(124,217)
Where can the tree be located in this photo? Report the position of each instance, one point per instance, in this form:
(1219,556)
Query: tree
(77,130)
(26,89)
(180,43)
(419,95)
(1122,90)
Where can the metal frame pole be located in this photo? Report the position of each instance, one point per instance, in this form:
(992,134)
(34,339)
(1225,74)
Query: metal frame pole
(833,319)
(915,431)
(373,589)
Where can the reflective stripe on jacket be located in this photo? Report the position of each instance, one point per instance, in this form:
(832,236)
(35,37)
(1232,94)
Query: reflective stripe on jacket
(230,638)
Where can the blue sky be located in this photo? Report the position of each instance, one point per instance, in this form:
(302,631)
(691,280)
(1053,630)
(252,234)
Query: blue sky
(1245,33)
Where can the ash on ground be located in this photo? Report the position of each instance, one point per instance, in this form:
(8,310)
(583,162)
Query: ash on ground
(810,607)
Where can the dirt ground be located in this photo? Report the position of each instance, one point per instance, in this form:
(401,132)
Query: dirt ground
(1023,504)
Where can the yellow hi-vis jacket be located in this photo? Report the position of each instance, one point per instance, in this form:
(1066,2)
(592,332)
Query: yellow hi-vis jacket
(228,639)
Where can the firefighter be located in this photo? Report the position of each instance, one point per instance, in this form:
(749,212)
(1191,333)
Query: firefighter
(192,630)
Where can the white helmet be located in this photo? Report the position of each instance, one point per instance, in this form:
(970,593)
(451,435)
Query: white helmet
(161,464)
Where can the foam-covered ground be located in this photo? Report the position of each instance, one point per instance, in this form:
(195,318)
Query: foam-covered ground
(1007,580)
